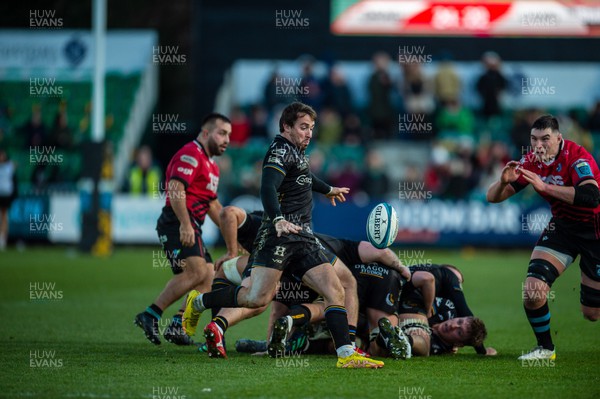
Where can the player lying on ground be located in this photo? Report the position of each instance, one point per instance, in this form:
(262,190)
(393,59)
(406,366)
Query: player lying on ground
(229,273)
(379,284)
(192,178)
(566,176)
(435,315)
(243,226)
(285,238)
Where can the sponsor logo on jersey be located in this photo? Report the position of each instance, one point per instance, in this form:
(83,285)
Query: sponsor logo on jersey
(279,152)
(189,159)
(304,179)
(372,269)
(275,160)
(583,169)
(185,171)
(553,179)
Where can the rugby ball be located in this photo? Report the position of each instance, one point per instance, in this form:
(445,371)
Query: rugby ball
(382,226)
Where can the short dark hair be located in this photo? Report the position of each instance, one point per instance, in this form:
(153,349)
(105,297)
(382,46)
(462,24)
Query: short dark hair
(544,122)
(211,118)
(447,266)
(293,111)
(477,332)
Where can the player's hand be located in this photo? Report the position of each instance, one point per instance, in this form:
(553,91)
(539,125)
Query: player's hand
(510,172)
(489,351)
(283,227)
(223,259)
(405,272)
(186,235)
(533,179)
(337,193)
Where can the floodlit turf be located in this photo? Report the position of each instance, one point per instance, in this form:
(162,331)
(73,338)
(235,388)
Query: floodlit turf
(82,343)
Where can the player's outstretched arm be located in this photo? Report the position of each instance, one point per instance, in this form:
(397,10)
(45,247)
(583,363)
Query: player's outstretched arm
(368,253)
(502,190)
(230,218)
(333,193)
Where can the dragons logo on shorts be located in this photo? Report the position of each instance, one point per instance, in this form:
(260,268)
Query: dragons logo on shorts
(279,251)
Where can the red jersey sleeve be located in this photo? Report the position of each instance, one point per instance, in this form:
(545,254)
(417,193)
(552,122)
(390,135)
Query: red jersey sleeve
(583,168)
(184,166)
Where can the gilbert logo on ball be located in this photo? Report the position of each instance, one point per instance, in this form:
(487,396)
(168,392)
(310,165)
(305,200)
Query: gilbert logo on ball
(382,226)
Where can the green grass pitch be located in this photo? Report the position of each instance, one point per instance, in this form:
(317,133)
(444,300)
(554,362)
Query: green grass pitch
(81,342)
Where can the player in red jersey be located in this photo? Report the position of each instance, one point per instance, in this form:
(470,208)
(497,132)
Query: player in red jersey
(192,178)
(566,176)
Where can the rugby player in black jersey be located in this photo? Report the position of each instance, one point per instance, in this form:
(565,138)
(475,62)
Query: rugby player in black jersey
(286,237)
(435,315)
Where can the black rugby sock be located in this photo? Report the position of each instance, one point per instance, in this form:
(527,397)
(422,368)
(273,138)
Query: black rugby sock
(539,319)
(352,333)
(154,311)
(337,323)
(221,322)
(300,315)
(223,298)
(217,284)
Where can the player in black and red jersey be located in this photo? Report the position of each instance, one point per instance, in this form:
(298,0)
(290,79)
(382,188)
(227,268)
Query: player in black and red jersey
(192,179)
(566,176)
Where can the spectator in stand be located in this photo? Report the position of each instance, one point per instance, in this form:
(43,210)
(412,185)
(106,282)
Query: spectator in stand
(416,89)
(336,93)
(352,133)
(521,131)
(380,108)
(330,128)
(271,97)
(456,122)
(376,182)
(350,176)
(491,159)
(462,178)
(575,131)
(258,122)
(61,135)
(8,193)
(34,130)
(438,170)
(144,176)
(446,82)
(314,92)
(593,123)
(240,127)
(491,84)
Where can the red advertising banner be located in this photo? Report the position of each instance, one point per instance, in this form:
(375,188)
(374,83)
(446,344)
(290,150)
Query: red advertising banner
(543,18)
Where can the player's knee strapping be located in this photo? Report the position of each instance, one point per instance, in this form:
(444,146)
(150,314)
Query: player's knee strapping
(542,270)
(590,296)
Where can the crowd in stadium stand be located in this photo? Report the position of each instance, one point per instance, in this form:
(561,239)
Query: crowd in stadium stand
(467,146)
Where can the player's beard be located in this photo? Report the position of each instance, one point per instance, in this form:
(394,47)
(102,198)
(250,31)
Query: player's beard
(214,148)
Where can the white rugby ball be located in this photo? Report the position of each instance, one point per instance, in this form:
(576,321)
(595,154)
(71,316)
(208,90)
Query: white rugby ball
(382,226)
